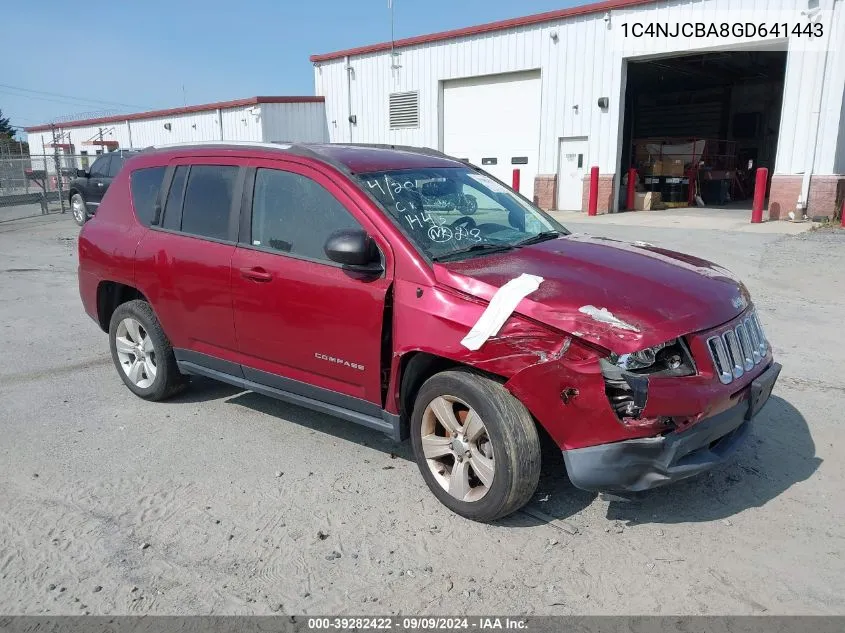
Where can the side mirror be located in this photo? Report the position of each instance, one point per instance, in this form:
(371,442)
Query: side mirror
(81,173)
(355,250)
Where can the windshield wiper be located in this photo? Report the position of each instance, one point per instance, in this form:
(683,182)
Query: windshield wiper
(540,237)
(487,248)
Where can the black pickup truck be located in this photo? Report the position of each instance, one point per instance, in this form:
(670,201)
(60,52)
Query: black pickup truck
(88,188)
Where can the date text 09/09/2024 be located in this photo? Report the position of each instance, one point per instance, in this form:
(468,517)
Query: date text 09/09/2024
(740,30)
(409,623)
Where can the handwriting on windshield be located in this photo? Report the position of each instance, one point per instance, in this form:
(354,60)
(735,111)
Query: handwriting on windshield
(391,187)
(419,219)
(437,230)
(441,234)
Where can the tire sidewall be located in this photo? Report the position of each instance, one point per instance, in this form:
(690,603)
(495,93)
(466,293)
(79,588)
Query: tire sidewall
(489,506)
(135,311)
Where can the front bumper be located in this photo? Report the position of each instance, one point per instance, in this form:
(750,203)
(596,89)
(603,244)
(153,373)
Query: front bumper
(640,464)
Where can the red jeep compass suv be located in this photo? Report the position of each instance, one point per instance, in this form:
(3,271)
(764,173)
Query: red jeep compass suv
(412,293)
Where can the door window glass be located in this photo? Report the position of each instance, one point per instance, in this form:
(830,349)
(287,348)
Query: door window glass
(293,214)
(145,184)
(115,164)
(208,200)
(100,168)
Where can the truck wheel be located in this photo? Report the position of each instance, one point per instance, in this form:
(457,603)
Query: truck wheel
(142,353)
(78,209)
(475,444)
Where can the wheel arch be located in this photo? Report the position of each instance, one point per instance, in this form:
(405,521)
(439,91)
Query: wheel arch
(417,367)
(111,294)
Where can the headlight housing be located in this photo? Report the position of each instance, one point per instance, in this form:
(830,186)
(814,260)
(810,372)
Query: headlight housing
(626,375)
(672,357)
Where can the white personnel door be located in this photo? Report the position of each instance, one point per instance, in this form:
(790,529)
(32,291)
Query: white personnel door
(494,122)
(572,167)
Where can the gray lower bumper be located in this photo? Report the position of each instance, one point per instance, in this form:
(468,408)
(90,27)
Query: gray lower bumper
(639,464)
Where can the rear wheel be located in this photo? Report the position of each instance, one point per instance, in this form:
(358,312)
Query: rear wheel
(77,208)
(142,353)
(475,444)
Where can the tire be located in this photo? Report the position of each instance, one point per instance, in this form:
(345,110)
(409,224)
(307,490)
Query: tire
(509,445)
(78,209)
(470,205)
(142,353)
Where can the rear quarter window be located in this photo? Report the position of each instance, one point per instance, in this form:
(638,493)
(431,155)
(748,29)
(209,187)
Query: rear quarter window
(145,185)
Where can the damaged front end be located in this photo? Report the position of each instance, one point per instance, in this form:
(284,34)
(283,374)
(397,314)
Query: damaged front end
(627,376)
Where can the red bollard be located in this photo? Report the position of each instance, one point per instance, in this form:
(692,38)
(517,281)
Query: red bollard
(515,181)
(842,215)
(759,195)
(593,203)
(632,189)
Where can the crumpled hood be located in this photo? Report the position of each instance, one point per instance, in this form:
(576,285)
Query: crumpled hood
(620,295)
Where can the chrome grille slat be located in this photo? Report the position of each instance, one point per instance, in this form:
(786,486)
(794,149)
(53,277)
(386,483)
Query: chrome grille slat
(738,349)
(745,344)
(764,342)
(750,326)
(735,353)
(720,358)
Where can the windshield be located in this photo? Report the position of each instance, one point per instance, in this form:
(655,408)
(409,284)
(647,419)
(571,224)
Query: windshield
(457,212)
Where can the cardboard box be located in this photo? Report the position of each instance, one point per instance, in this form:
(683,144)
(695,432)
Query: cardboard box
(647,201)
(672,167)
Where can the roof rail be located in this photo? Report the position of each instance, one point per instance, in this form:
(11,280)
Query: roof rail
(428,151)
(235,143)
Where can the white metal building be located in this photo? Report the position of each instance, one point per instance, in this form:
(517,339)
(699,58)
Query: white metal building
(268,119)
(555,93)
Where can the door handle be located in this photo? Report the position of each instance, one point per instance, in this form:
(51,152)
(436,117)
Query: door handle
(256,274)
(99,184)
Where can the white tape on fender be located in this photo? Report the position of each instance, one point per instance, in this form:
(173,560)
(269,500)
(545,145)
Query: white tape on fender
(501,306)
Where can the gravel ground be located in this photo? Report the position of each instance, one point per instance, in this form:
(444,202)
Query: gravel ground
(225,502)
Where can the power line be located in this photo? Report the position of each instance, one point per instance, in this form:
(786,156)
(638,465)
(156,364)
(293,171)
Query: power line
(63,96)
(62,101)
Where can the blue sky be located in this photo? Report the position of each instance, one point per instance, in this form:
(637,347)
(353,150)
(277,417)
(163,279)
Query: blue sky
(126,56)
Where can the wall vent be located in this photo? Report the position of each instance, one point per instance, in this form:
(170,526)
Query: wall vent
(404,110)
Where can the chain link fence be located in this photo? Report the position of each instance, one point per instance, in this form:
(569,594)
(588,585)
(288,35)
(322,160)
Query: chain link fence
(37,184)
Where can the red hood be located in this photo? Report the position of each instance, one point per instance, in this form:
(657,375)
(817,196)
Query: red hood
(650,294)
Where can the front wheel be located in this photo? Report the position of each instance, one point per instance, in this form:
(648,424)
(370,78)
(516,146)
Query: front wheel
(77,207)
(475,444)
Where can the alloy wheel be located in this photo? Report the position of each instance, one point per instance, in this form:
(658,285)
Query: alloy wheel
(457,448)
(77,206)
(136,352)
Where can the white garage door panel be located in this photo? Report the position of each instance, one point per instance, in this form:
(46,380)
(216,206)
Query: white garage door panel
(496,116)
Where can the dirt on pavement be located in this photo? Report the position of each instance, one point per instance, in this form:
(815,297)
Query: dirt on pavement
(226,502)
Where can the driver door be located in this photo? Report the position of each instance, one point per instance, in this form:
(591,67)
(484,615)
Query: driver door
(98,182)
(301,320)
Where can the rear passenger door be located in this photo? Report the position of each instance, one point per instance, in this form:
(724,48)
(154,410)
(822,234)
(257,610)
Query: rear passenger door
(183,262)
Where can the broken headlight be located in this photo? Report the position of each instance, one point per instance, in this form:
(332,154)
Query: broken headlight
(626,376)
(670,355)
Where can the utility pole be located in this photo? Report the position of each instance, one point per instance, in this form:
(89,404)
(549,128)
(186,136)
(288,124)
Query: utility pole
(57,167)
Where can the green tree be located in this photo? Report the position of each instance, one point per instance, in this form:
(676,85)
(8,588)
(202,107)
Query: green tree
(6,127)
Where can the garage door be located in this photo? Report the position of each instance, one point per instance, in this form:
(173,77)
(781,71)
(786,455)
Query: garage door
(494,121)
